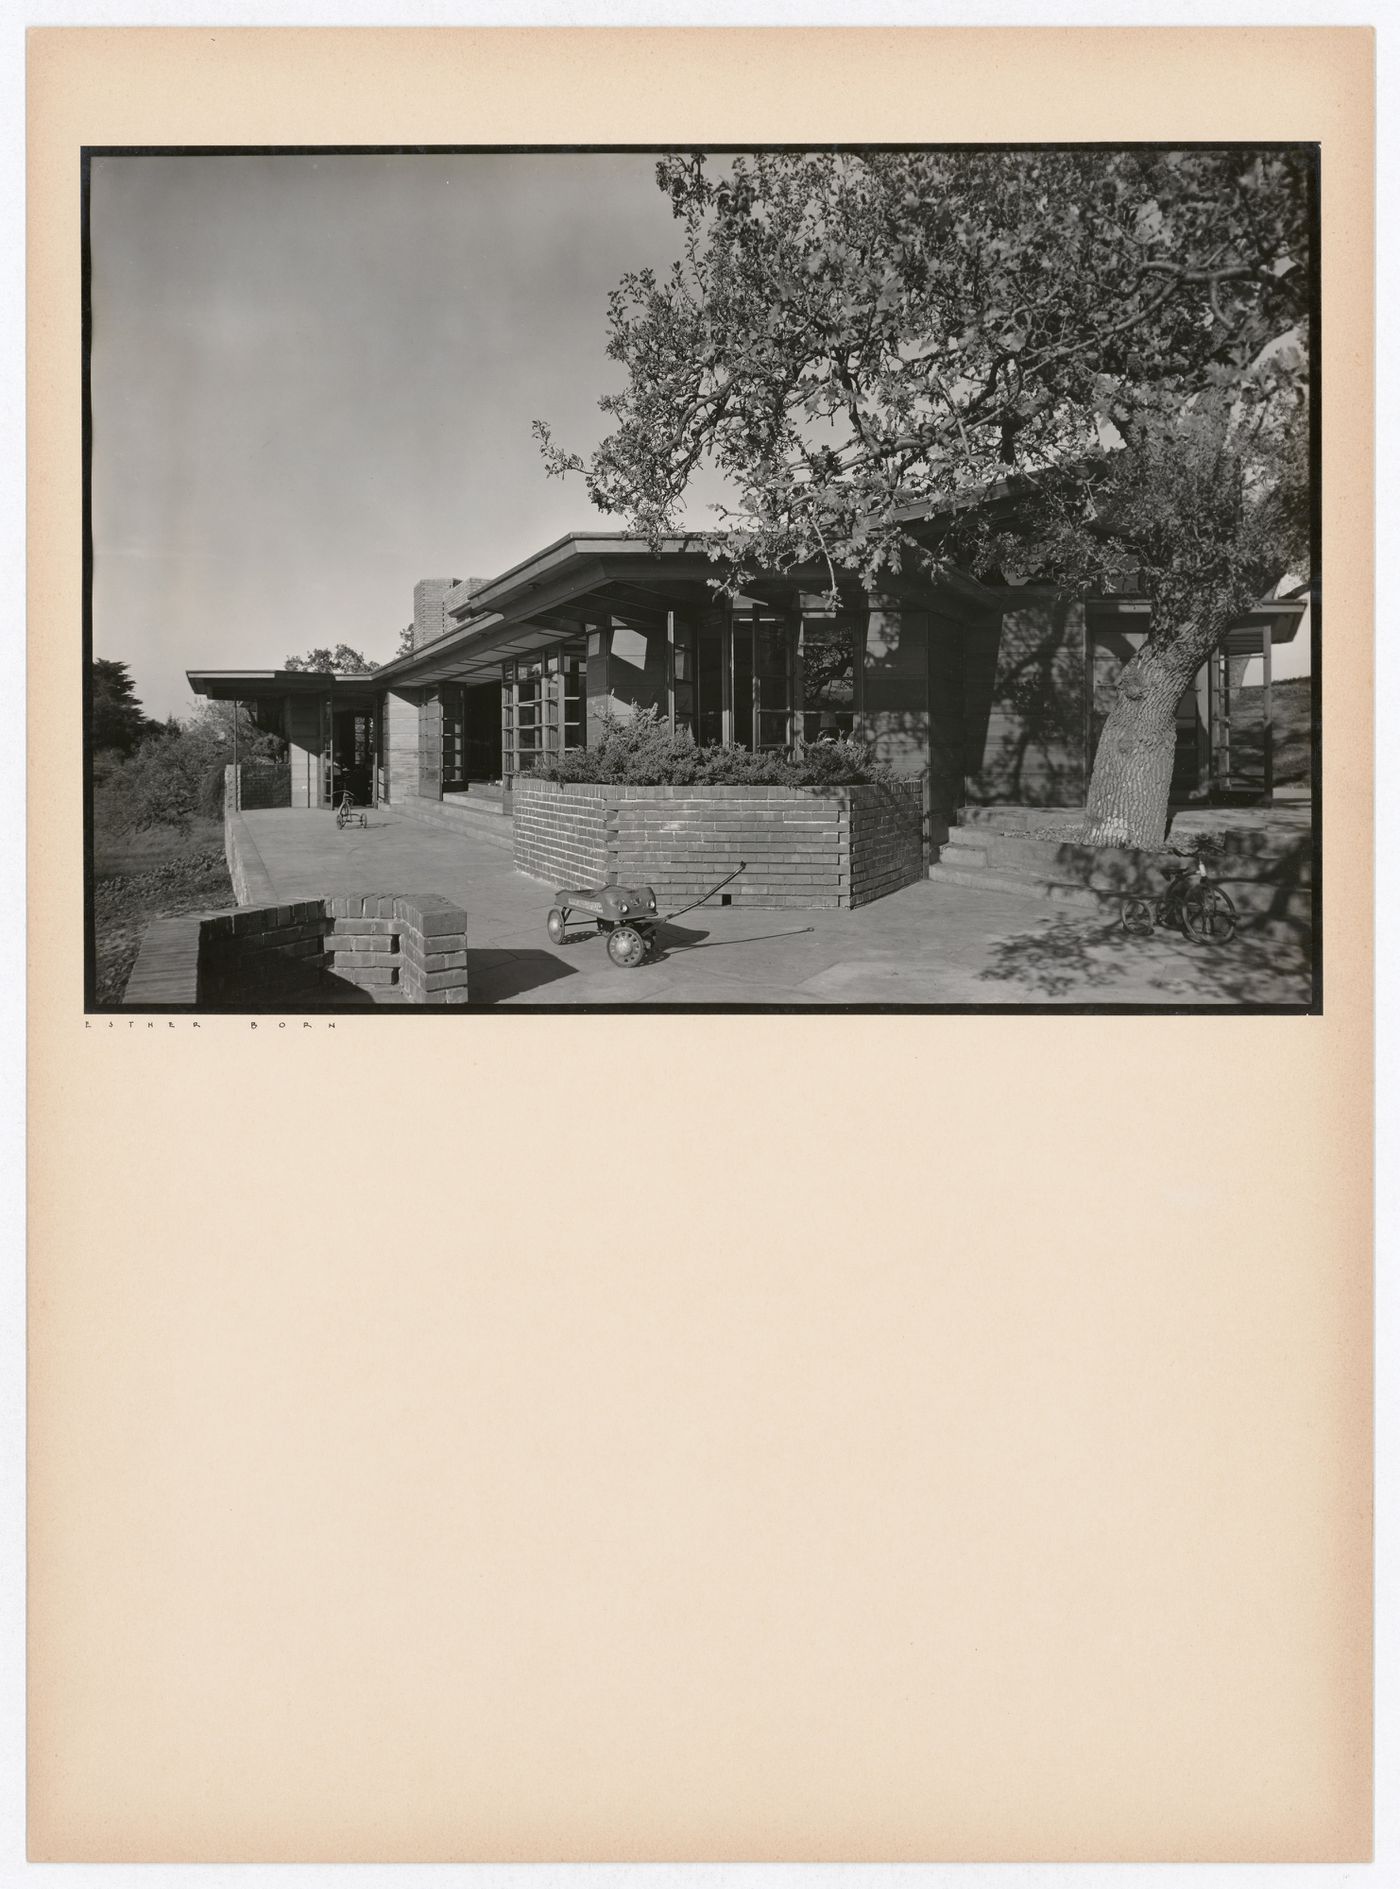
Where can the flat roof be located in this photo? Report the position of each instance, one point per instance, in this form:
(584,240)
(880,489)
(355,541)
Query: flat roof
(236,685)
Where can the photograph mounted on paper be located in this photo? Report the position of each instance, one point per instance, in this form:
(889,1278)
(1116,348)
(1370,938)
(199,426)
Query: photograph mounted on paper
(897,579)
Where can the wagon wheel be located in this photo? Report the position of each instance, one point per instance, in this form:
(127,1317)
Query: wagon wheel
(1208,916)
(554,925)
(626,947)
(1138,917)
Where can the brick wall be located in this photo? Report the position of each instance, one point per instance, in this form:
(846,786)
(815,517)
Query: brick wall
(430,619)
(802,846)
(262,954)
(795,843)
(562,833)
(395,947)
(888,839)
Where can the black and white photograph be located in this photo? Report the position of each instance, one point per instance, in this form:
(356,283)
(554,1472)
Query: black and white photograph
(650,535)
(864,577)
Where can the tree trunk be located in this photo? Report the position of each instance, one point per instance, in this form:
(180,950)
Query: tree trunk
(1137,750)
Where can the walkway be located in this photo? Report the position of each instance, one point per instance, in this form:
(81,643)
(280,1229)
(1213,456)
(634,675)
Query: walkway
(929,944)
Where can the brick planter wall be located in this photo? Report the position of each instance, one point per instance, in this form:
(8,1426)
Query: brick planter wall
(562,833)
(803,846)
(889,847)
(398,948)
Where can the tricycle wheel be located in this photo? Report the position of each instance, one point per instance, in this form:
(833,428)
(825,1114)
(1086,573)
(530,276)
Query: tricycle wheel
(626,947)
(554,925)
(1208,916)
(1137,918)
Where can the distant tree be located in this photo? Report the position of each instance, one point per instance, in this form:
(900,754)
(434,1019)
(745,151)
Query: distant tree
(405,647)
(169,781)
(853,338)
(178,776)
(341,661)
(119,723)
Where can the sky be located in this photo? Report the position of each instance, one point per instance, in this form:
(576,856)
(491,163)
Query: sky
(313,383)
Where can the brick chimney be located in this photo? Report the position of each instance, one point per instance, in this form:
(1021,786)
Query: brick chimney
(429,608)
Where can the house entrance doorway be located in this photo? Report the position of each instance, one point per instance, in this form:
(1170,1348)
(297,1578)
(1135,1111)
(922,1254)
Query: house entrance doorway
(354,756)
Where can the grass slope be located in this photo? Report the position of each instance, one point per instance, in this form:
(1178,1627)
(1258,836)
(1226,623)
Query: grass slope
(157,873)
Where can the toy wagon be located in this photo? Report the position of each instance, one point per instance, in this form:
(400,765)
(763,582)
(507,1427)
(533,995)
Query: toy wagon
(625,913)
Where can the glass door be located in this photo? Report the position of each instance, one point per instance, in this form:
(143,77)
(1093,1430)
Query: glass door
(762,678)
(772,665)
(682,678)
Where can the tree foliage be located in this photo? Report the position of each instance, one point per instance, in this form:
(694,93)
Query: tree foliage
(643,750)
(179,777)
(119,723)
(859,343)
(849,337)
(340,661)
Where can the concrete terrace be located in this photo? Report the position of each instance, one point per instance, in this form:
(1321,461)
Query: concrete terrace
(928,944)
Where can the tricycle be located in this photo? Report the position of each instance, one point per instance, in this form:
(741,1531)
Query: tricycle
(1191,900)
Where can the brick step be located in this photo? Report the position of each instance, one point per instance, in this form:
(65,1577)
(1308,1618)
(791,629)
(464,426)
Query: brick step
(1253,901)
(984,879)
(1247,830)
(1113,868)
(477,801)
(494,826)
(957,851)
(1017,817)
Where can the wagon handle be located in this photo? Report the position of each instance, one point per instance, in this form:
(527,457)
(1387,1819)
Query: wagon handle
(706,895)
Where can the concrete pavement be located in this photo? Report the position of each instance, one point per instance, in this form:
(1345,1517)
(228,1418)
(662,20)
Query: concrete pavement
(926,945)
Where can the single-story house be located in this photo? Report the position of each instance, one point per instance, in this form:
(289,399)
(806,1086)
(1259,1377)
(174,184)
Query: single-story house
(989,692)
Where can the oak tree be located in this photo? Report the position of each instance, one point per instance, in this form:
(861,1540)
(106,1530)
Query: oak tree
(1083,366)
(340,661)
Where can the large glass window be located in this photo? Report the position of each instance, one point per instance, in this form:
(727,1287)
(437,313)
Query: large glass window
(522,720)
(542,708)
(453,738)
(830,664)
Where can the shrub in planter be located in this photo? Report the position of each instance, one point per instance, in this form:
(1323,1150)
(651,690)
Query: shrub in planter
(644,752)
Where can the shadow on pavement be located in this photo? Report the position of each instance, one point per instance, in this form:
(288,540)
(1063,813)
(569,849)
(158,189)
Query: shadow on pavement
(1084,956)
(493,974)
(679,940)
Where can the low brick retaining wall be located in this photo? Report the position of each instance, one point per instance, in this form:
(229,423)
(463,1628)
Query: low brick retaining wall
(391,947)
(252,884)
(803,846)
